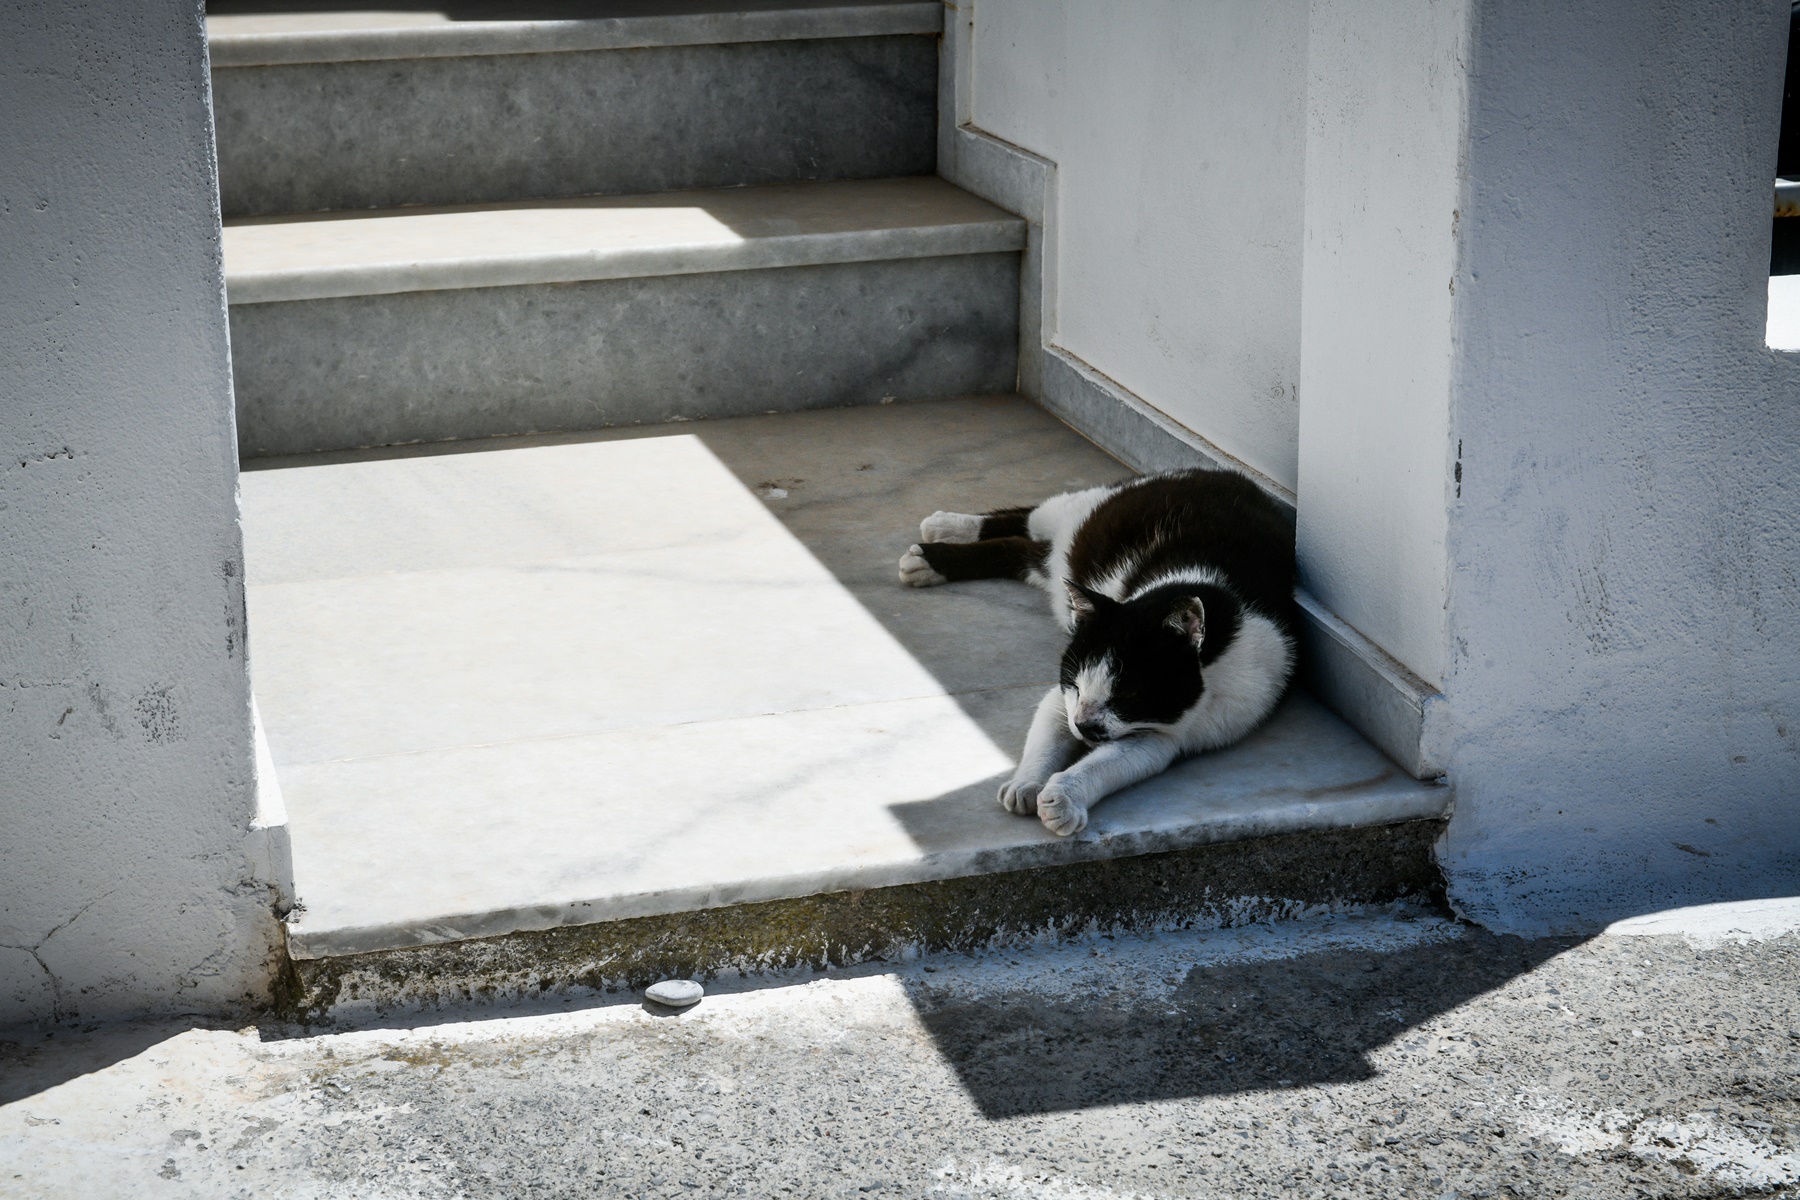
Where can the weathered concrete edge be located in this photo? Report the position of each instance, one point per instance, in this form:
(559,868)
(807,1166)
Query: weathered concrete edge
(1378,803)
(999,235)
(1234,883)
(469,39)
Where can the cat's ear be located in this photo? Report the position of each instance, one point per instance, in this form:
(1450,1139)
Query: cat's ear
(1188,618)
(1084,602)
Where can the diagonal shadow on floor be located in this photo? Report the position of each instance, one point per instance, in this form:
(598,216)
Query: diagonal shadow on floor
(852,487)
(852,484)
(1231,1027)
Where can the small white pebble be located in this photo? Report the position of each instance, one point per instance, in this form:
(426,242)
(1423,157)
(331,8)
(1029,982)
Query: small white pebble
(675,993)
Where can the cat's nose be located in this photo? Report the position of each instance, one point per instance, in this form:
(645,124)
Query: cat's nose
(1091,731)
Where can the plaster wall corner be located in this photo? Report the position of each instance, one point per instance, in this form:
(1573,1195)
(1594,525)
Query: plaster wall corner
(1623,686)
(126,877)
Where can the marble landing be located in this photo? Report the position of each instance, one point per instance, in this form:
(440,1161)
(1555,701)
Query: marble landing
(528,683)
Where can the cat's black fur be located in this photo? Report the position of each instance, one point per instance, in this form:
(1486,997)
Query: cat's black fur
(1166,583)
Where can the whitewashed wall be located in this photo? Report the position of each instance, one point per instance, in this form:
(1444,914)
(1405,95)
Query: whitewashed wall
(1515,255)
(1178,133)
(1624,559)
(126,769)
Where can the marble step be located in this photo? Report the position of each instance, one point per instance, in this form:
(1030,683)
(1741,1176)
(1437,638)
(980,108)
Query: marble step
(436,324)
(587,709)
(322,107)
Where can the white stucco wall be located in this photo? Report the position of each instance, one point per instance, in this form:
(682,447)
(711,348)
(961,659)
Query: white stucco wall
(1624,589)
(126,789)
(1177,129)
(1386,110)
(1516,256)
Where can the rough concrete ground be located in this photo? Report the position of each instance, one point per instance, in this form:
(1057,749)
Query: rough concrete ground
(1376,1055)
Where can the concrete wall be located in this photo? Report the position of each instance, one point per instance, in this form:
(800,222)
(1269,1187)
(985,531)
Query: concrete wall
(1178,133)
(128,781)
(1624,588)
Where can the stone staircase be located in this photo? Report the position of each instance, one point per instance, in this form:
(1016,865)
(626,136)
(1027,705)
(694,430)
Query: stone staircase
(563,690)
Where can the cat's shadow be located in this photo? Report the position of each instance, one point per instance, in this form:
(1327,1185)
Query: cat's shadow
(1316,1018)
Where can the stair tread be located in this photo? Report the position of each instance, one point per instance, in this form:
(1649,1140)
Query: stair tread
(592,677)
(250,33)
(321,255)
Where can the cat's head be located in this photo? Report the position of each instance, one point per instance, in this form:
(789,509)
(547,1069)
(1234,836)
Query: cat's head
(1131,667)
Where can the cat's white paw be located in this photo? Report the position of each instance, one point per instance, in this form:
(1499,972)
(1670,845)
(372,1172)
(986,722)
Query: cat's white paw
(950,527)
(916,572)
(1060,812)
(1020,796)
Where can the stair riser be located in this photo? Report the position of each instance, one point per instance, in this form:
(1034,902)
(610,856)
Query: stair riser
(430,366)
(318,136)
(1236,883)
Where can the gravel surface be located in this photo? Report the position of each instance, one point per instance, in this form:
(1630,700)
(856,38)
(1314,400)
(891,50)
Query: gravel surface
(1370,1056)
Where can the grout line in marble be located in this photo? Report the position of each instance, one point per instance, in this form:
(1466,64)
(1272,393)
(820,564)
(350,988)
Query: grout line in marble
(563,737)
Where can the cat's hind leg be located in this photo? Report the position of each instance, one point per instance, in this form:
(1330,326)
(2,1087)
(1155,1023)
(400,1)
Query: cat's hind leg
(1049,748)
(931,563)
(974,527)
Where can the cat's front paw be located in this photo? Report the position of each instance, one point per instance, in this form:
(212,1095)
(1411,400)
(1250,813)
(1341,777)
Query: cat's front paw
(916,572)
(950,527)
(1061,813)
(1021,796)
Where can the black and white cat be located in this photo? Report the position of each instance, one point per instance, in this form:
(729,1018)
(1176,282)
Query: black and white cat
(1178,594)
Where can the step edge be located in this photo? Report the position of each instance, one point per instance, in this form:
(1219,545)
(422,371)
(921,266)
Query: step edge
(493,38)
(993,236)
(1387,869)
(1404,802)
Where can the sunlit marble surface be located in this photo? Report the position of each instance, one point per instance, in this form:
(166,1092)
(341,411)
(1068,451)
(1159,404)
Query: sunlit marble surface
(556,680)
(318,256)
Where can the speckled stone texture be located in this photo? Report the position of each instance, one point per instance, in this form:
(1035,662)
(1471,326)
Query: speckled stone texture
(430,366)
(318,136)
(1342,1058)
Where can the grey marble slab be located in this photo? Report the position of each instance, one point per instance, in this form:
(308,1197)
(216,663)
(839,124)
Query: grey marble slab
(558,680)
(438,365)
(260,33)
(323,255)
(467,130)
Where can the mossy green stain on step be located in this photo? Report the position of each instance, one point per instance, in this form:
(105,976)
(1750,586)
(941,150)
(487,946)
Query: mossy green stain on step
(1220,885)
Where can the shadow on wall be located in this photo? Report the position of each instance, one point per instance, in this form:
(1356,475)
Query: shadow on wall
(1231,1027)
